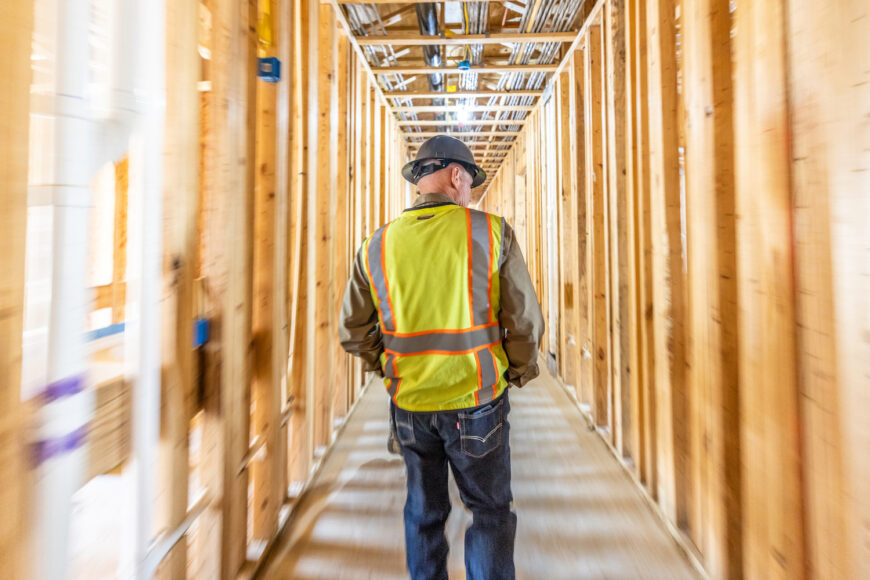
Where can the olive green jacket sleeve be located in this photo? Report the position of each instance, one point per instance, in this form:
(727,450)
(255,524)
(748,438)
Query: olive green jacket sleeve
(520,316)
(358,328)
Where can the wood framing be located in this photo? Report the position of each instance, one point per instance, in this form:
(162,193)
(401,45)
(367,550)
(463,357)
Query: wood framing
(180,211)
(482,69)
(15,42)
(827,95)
(470,123)
(773,522)
(595,202)
(668,279)
(461,94)
(398,39)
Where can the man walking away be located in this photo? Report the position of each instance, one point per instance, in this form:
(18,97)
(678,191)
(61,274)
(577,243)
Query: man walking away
(441,304)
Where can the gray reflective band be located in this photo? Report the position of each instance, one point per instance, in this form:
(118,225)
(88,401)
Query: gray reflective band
(378,278)
(389,372)
(480,268)
(501,256)
(441,341)
(488,376)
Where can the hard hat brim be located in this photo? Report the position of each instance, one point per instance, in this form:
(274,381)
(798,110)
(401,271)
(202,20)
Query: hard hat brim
(478,175)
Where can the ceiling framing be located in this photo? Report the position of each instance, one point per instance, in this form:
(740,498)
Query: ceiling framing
(512,49)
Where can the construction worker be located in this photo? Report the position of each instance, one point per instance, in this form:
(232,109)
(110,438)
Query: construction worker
(441,304)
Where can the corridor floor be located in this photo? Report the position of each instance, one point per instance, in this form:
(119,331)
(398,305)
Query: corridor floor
(579,514)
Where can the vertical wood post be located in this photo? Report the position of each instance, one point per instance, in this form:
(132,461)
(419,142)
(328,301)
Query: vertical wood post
(711,283)
(828,105)
(667,267)
(16,21)
(596,223)
(180,210)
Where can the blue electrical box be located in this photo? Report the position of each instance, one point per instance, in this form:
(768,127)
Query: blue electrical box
(200,332)
(464,65)
(269,69)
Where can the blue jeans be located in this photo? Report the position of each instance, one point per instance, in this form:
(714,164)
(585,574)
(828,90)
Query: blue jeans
(475,443)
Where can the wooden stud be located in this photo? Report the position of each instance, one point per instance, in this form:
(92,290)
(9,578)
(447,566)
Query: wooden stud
(226,265)
(341,252)
(829,140)
(321,164)
(301,447)
(15,43)
(668,284)
(711,284)
(267,374)
(596,224)
(119,235)
(643,247)
(614,34)
(569,335)
(773,538)
(180,210)
(585,298)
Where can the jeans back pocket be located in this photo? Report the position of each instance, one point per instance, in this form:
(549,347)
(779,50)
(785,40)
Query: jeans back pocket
(482,431)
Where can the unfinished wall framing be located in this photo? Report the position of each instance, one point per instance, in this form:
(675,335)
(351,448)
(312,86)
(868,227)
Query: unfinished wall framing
(705,268)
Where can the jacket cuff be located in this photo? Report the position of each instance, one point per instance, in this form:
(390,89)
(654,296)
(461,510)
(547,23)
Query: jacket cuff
(519,378)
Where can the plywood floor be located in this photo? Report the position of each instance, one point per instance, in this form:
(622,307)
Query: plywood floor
(579,514)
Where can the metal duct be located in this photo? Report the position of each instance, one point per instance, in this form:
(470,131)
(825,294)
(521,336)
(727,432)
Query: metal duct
(427,18)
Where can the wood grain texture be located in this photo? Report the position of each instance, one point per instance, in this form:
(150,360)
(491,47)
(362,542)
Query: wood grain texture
(773,538)
(667,267)
(595,203)
(711,284)
(829,93)
(180,210)
(16,22)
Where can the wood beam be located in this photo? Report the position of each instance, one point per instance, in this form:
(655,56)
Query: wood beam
(270,225)
(595,182)
(492,108)
(463,134)
(711,287)
(15,41)
(180,211)
(461,94)
(614,44)
(773,518)
(669,336)
(828,141)
(226,267)
(462,39)
(483,69)
(472,123)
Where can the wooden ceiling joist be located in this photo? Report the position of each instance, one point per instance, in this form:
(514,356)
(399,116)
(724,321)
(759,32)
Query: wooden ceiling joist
(461,95)
(485,69)
(436,109)
(458,134)
(452,123)
(463,39)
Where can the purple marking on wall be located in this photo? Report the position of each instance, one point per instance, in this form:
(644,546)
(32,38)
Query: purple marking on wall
(63,388)
(51,448)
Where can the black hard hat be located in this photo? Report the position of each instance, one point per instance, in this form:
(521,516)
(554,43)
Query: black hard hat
(445,150)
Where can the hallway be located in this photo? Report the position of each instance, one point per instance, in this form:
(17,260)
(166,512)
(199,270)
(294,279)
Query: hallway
(580,515)
(185,187)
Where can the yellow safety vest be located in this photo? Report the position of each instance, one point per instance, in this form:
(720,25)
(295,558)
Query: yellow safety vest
(433,275)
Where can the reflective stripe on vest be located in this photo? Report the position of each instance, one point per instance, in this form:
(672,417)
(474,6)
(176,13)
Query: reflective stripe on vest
(478,340)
